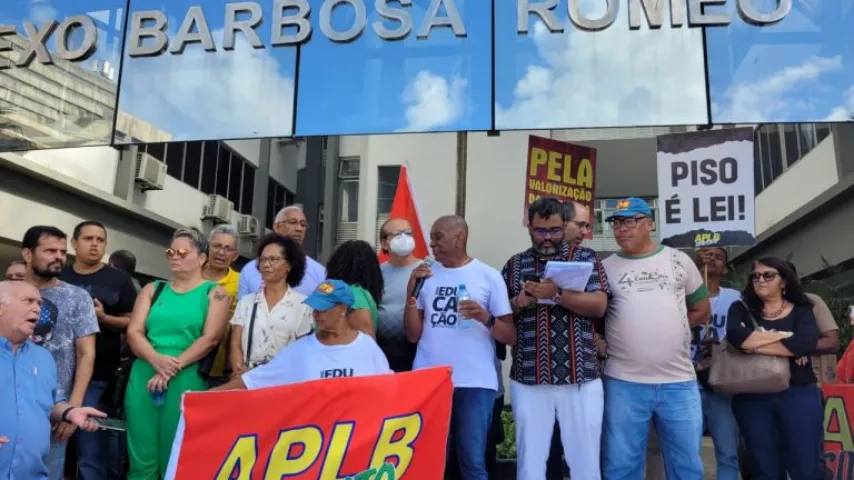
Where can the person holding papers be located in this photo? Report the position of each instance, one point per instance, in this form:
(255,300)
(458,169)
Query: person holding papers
(555,373)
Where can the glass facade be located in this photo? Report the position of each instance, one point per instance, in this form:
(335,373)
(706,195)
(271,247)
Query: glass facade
(101,72)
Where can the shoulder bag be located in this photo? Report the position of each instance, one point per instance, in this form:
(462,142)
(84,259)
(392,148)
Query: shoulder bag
(207,362)
(735,372)
(251,331)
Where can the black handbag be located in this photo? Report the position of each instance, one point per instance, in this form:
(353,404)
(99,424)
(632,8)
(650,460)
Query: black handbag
(114,393)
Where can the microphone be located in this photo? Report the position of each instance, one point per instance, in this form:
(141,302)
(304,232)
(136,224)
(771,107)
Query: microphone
(419,283)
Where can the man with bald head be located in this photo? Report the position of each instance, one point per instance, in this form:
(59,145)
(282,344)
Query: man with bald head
(28,399)
(461,334)
(396,241)
(290,222)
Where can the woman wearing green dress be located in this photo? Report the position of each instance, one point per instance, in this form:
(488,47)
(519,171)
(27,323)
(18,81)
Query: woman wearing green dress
(355,263)
(186,321)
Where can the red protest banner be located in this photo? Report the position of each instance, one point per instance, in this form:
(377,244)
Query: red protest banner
(838,442)
(383,427)
(561,170)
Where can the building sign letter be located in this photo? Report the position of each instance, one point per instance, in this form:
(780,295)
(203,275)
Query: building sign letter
(358,23)
(300,20)
(139,32)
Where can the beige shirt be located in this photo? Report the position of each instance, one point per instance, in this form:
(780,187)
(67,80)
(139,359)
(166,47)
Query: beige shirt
(275,328)
(824,366)
(646,327)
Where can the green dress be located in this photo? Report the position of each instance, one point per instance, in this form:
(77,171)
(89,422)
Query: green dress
(175,321)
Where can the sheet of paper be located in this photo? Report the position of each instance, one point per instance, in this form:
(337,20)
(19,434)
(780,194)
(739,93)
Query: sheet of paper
(572,276)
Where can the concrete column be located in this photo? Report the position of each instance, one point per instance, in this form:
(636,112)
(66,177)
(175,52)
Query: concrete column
(125,173)
(330,198)
(262,181)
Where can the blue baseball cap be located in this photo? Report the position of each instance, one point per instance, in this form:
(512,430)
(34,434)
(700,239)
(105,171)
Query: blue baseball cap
(330,294)
(630,207)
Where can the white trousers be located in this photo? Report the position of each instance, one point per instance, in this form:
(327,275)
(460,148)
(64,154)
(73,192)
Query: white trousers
(579,411)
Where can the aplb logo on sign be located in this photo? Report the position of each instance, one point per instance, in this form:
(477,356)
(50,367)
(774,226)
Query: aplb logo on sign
(385,427)
(838,441)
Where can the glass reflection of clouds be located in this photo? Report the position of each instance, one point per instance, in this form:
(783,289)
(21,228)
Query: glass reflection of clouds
(613,77)
(372,85)
(242,92)
(51,102)
(801,69)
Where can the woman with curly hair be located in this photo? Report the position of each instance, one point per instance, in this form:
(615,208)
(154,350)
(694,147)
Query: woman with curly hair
(355,262)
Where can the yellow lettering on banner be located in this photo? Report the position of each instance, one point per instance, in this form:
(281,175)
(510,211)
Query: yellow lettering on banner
(538,159)
(554,166)
(402,447)
(584,176)
(241,459)
(280,464)
(532,197)
(337,450)
(835,406)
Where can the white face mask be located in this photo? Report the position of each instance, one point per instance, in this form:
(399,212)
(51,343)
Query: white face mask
(402,245)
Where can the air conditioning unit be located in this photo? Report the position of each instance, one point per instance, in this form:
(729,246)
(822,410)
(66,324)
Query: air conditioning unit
(218,208)
(249,227)
(150,172)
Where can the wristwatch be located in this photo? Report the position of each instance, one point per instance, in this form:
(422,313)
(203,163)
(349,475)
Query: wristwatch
(558,296)
(491,322)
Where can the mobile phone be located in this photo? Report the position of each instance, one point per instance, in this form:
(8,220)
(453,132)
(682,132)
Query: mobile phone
(530,277)
(110,424)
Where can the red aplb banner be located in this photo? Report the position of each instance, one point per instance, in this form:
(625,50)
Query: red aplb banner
(560,170)
(838,441)
(385,427)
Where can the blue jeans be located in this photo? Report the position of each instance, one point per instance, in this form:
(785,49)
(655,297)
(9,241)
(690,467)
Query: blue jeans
(675,408)
(717,413)
(99,453)
(784,429)
(471,417)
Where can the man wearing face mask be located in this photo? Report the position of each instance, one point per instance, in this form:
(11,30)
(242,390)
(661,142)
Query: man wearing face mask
(397,242)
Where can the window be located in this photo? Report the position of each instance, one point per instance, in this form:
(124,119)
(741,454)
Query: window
(778,147)
(757,166)
(193,164)
(348,190)
(209,167)
(386,188)
(175,160)
(277,198)
(156,150)
(247,193)
(222,166)
(790,139)
(822,131)
(235,179)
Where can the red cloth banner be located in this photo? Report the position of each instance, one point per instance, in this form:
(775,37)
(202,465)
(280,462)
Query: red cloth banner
(379,428)
(561,170)
(838,428)
(405,206)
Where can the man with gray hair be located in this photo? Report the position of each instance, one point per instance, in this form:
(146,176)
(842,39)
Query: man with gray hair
(290,222)
(222,252)
(29,400)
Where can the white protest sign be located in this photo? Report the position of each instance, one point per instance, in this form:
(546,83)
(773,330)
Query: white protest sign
(705,188)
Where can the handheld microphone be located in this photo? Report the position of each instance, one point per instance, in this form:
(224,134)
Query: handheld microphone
(419,283)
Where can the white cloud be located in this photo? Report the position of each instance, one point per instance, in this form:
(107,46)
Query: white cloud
(844,112)
(41,12)
(198,94)
(433,102)
(767,99)
(613,77)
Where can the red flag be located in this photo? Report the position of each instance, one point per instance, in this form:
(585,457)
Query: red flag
(405,206)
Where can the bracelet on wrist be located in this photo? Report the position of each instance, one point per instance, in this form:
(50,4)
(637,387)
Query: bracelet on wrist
(65,413)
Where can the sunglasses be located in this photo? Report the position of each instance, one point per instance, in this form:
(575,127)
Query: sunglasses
(181,252)
(763,276)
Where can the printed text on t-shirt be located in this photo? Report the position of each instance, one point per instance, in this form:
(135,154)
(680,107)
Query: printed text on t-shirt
(444,308)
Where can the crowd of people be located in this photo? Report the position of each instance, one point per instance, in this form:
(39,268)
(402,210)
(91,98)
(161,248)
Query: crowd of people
(598,376)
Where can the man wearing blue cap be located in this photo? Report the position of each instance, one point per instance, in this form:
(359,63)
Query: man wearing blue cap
(658,295)
(333,350)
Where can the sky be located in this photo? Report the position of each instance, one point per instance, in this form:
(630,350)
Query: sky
(801,69)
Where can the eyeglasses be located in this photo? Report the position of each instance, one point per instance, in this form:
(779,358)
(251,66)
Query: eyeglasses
(216,247)
(293,223)
(630,222)
(583,226)
(768,276)
(272,261)
(408,233)
(181,252)
(555,232)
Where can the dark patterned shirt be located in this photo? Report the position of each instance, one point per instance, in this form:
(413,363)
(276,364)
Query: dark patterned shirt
(554,345)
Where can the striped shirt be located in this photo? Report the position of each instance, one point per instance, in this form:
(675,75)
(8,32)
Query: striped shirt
(554,345)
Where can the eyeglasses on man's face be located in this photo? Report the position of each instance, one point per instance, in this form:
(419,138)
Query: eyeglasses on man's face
(630,222)
(218,247)
(554,232)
